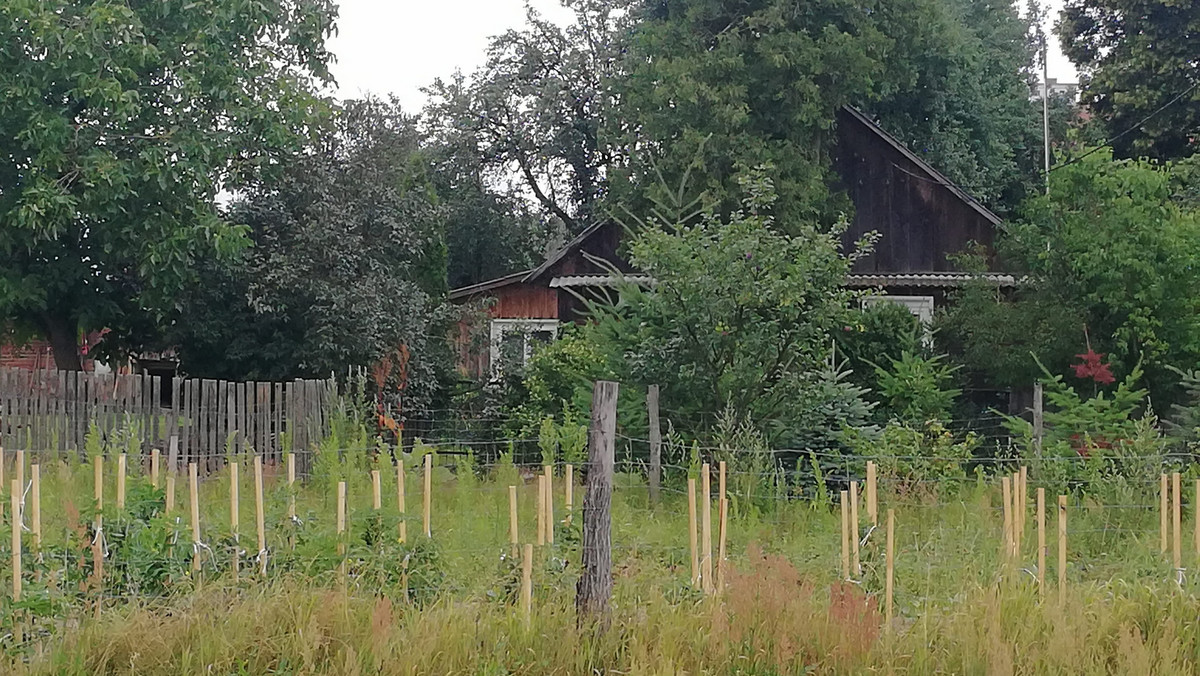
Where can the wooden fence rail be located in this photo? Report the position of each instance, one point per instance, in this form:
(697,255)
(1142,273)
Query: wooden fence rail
(52,411)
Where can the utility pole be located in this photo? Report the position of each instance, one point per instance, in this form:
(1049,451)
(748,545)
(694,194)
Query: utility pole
(1045,107)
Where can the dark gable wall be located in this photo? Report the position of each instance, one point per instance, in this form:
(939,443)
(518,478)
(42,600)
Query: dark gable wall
(920,221)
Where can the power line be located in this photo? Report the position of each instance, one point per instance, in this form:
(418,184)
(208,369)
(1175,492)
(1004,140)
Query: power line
(1143,121)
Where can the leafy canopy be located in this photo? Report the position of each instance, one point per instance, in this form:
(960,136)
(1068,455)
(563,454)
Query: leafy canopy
(119,123)
(740,318)
(348,264)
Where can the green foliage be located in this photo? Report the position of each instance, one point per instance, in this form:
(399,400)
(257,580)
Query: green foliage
(1109,251)
(347,267)
(917,458)
(916,389)
(110,183)
(877,333)
(548,441)
(1135,57)
(1075,425)
(740,316)
(556,383)
(1182,423)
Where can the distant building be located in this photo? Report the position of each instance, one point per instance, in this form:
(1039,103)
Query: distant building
(1067,90)
(922,217)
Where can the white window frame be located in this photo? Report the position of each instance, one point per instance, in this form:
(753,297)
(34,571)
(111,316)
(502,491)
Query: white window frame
(526,327)
(921,307)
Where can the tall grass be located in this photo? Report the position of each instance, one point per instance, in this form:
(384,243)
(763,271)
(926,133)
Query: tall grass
(959,607)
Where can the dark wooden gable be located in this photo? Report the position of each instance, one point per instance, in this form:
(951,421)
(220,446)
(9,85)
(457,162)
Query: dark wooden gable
(921,215)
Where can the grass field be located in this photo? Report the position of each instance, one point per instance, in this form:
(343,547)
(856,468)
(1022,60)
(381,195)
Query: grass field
(448,605)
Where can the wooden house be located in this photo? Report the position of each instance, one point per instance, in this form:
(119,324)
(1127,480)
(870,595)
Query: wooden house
(923,219)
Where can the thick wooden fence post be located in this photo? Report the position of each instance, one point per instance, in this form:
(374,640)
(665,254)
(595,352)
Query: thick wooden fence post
(594,592)
(655,477)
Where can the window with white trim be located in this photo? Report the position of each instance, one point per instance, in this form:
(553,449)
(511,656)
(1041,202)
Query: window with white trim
(512,341)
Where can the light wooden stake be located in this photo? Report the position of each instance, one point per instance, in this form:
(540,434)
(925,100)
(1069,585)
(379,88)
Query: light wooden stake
(376,491)
(513,539)
(527,584)
(428,495)
(855,566)
(541,509)
(721,490)
(400,498)
(891,567)
(845,535)
(1006,495)
(1062,549)
(1041,535)
(692,531)
(291,482)
(706,563)
(15,497)
(260,520)
(170,493)
(194,498)
(341,528)
(98,489)
(549,504)
(872,494)
(19,472)
(121,468)
(569,494)
(155,462)
(35,495)
(234,518)
(1176,522)
(1162,514)
(724,523)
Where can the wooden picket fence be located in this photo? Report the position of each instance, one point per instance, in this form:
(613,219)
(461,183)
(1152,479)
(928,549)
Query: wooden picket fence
(189,419)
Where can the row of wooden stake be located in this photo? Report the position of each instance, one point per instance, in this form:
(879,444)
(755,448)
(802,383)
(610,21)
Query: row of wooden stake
(701,553)
(17,487)
(1170,509)
(545,526)
(851,542)
(1014,490)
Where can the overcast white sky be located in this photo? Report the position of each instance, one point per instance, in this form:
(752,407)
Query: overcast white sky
(400,46)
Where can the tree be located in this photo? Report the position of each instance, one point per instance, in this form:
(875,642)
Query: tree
(739,318)
(1111,252)
(490,230)
(1137,57)
(960,95)
(119,123)
(535,108)
(347,268)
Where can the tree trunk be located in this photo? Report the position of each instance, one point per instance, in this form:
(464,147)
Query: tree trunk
(595,587)
(63,334)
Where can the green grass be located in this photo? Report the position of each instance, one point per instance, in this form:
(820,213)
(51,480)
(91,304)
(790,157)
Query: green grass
(959,607)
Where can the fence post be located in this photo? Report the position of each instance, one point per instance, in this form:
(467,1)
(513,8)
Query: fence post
(856,565)
(234,518)
(428,495)
(15,497)
(594,591)
(1006,495)
(36,508)
(154,470)
(1038,419)
(655,444)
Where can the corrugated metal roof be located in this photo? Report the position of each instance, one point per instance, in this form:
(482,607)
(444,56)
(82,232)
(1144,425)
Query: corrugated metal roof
(934,279)
(598,280)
